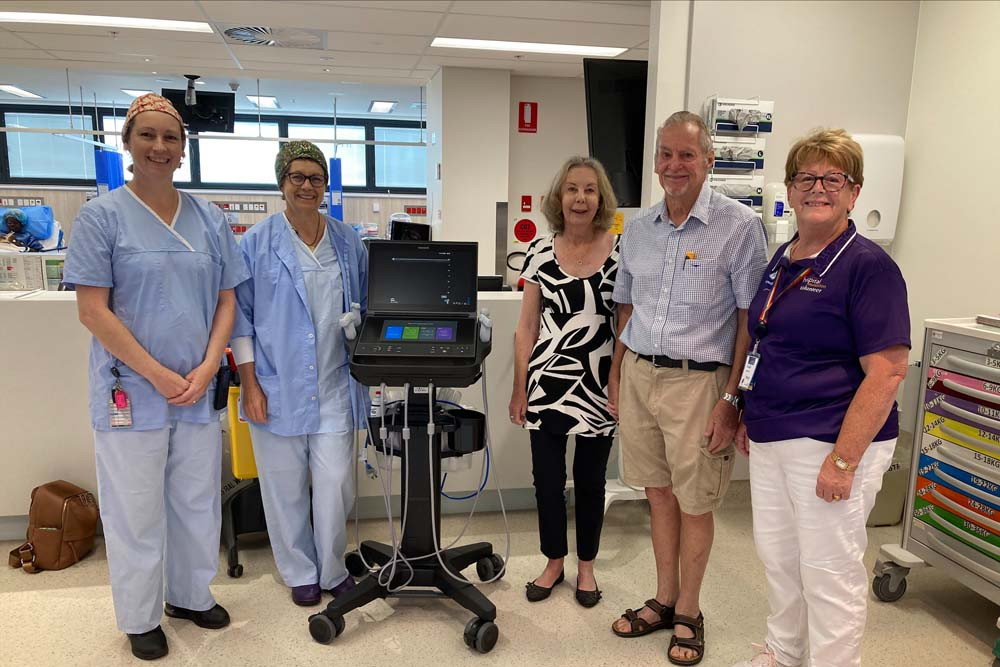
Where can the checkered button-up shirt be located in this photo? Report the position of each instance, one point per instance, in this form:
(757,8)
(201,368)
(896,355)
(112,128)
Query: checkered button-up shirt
(685,283)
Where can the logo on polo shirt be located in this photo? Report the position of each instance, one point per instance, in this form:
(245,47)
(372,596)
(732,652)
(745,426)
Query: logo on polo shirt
(811,284)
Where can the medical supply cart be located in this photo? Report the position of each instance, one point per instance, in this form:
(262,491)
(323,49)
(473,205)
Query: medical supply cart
(952,516)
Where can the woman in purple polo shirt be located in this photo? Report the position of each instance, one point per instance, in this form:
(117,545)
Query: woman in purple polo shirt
(830,338)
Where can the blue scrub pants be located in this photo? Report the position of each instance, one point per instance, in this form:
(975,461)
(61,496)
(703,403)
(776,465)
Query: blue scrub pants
(304,553)
(161,508)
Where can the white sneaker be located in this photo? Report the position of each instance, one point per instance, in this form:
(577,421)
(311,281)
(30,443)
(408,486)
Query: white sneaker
(761,658)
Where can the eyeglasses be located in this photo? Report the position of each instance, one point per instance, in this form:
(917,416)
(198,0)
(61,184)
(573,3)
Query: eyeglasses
(298,179)
(832,182)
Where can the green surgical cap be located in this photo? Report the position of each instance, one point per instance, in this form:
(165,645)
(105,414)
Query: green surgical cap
(298,150)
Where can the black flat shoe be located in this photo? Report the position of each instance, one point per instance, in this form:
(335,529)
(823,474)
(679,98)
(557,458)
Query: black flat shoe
(212,619)
(149,645)
(536,593)
(587,598)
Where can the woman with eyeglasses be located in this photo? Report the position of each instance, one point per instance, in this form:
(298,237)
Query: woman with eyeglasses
(830,334)
(302,405)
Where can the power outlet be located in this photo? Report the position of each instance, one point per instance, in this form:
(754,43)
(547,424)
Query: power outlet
(375,207)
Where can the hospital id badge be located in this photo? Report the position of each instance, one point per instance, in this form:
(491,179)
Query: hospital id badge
(120,407)
(749,369)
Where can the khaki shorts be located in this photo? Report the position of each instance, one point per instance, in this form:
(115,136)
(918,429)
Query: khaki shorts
(662,416)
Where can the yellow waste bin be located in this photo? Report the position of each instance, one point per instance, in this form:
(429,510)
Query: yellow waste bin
(240,446)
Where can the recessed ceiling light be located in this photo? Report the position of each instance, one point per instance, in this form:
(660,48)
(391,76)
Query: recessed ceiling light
(20,92)
(326,69)
(527,47)
(104,21)
(378,106)
(351,83)
(199,83)
(264,101)
(135,93)
(148,60)
(163,80)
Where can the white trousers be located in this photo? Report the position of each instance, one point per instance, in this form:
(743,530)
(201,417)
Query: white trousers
(813,550)
(161,508)
(306,553)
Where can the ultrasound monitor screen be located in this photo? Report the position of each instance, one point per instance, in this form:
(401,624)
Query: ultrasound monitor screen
(413,277)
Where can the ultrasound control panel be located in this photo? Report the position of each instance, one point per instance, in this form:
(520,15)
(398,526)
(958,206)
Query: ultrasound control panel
(417,337)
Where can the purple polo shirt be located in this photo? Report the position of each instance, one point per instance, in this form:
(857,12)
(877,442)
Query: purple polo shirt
(852,304)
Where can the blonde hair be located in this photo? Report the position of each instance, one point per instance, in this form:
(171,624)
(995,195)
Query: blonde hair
(827,145)
(607,202)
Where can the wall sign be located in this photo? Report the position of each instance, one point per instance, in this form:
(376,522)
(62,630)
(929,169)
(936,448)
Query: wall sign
(525,230)
(416,210)
(527,117)
(525,203)
(22,201)
(242,206)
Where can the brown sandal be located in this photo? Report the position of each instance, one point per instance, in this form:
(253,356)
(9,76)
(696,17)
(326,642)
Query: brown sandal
(696,643)
(639,626)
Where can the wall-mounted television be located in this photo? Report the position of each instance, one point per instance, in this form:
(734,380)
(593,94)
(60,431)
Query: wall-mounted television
(213,113)
(616,122)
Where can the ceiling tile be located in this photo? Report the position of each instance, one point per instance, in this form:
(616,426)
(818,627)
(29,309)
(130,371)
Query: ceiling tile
(537,30)
(566,10)
(335,17)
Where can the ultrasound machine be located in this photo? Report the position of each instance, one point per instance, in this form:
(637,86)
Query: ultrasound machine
(422,332)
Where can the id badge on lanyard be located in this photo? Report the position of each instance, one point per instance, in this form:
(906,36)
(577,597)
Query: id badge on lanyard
(753,356)
(119,406)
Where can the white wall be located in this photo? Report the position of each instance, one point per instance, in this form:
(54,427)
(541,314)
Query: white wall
(836,64)
(948,241)
(474,137)
(534,158)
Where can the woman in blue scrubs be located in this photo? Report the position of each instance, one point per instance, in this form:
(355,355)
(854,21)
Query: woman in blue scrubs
(154,270)
(297,393)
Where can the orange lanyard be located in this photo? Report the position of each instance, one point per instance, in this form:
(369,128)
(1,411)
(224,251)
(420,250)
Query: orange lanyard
(761,329)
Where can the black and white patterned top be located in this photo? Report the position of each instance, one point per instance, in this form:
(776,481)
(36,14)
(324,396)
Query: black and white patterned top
(571,361)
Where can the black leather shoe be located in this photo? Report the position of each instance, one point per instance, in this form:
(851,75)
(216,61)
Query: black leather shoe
(212,619)
(587,598)
(536,593)
(149,645)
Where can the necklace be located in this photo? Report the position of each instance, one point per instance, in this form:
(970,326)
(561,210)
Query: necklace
(319,232)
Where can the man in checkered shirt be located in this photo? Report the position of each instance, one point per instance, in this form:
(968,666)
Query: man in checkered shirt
(689,266)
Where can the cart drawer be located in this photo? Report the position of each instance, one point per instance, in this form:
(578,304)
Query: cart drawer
(977,438)
(973,344)
(980,366)
(961,386)
(956,468)
(962,409)
(956,551)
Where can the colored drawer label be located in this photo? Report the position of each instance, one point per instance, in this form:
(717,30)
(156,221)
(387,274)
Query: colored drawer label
(960,529)
(961,386)
(980,487)
(962,409)
(977,438)
(981,514)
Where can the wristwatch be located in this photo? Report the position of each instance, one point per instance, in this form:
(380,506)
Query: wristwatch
(841,463)
(733,399)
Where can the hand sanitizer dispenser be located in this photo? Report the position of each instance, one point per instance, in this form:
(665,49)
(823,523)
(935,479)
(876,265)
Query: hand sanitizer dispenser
(778,216)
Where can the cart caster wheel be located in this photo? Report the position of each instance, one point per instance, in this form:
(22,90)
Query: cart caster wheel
(481,635)
(235,571)
(880,587)
(324,629)
(355,565)
(489,567)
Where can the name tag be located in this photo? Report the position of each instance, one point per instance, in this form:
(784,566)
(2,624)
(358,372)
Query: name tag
(749,369)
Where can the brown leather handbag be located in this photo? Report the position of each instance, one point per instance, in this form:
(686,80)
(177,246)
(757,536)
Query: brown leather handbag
(62,523)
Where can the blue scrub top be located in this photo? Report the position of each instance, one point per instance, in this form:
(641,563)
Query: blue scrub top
(165,282)
(274,308)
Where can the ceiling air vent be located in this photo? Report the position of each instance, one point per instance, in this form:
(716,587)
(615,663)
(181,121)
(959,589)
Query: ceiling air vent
(288,38)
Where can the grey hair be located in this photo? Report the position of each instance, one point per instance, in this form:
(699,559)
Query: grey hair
(687,118)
